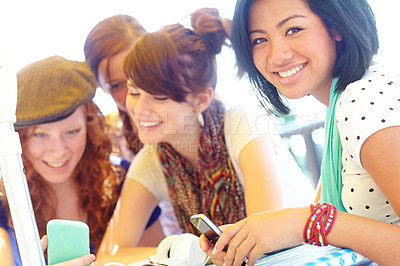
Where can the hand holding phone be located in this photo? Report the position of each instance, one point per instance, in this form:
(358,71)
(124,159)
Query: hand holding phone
(206,227)
(209,230)
(67,240)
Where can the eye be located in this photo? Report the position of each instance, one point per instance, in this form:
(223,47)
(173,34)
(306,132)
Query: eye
(258,41)
(114,86)
(161,98)
(293,30)
(117,86)
(73,132)
(132,91)
(39,135)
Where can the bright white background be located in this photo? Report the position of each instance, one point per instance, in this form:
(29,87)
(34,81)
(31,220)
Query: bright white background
(32,30)
(35,29)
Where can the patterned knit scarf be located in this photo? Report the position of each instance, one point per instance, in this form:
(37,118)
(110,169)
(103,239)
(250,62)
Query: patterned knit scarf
(213,188)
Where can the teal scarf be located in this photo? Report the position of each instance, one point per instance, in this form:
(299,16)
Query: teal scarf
(331,169)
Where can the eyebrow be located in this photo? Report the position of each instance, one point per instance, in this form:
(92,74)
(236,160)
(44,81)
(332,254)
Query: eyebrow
(280,24)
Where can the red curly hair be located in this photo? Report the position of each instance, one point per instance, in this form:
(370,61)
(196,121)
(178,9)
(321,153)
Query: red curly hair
(96,177)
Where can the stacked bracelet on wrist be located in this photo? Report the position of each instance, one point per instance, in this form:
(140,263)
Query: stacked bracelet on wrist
(317,229)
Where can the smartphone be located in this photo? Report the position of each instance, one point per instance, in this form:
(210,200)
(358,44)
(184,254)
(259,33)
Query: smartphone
(209,230)
(66,240)
(206,227)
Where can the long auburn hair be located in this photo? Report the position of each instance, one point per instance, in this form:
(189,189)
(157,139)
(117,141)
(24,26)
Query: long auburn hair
(96,177)
(109,37)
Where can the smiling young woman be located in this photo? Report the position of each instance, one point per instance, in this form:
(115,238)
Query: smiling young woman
(66,153)
(291,48)
(198,155)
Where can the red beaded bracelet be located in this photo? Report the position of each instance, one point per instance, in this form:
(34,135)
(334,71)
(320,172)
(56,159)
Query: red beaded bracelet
(316,230)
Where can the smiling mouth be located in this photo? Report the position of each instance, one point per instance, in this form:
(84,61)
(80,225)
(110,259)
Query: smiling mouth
(56,165)
(149,123)
(291,72)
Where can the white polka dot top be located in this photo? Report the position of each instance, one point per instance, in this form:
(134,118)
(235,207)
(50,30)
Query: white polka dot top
(365,107)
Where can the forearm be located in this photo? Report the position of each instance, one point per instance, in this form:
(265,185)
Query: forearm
(126,255)
(375,240)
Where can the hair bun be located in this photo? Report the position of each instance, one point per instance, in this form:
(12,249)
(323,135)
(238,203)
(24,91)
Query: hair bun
(208,24)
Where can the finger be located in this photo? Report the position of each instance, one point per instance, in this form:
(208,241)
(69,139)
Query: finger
(218,261)
(255,254)
(243,250)
(43,242)
(223,227)
(204,244)
(239,247)
(81,261)
(226,236)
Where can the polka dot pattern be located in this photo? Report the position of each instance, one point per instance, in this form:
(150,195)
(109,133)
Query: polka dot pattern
(365,107)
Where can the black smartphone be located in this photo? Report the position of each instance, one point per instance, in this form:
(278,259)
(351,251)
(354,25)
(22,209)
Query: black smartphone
(209,230)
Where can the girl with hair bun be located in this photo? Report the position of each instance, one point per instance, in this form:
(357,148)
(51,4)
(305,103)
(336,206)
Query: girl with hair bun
(197,155)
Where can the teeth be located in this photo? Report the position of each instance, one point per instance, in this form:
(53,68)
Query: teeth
(55,164)
(148,124)
(291,71)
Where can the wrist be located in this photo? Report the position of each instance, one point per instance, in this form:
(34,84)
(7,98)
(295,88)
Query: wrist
(300,217)
(319,224)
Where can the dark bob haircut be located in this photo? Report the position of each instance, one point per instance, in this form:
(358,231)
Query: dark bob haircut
(354,20)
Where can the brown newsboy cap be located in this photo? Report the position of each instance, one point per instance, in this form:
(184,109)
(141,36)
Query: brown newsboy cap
(52,89)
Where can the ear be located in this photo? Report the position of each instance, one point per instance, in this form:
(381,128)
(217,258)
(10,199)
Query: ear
(336,35)
(203,99)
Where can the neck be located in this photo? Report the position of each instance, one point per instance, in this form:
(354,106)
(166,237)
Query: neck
(323,92)
(67,201)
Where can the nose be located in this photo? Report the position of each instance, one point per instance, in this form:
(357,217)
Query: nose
(58,147)
(279,52)
(142,104)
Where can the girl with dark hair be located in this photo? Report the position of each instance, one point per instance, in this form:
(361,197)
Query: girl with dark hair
(106,47)
(197,155)
(293,48)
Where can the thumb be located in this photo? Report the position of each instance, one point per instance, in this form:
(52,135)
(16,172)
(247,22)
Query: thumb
(43,241)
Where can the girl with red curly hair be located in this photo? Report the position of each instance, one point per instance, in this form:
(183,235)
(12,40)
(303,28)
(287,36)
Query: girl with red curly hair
(66,153)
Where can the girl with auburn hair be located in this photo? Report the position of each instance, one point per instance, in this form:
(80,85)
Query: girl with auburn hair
(293,48)
(105,49)
(198,155)
(97,179)
(66,153)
